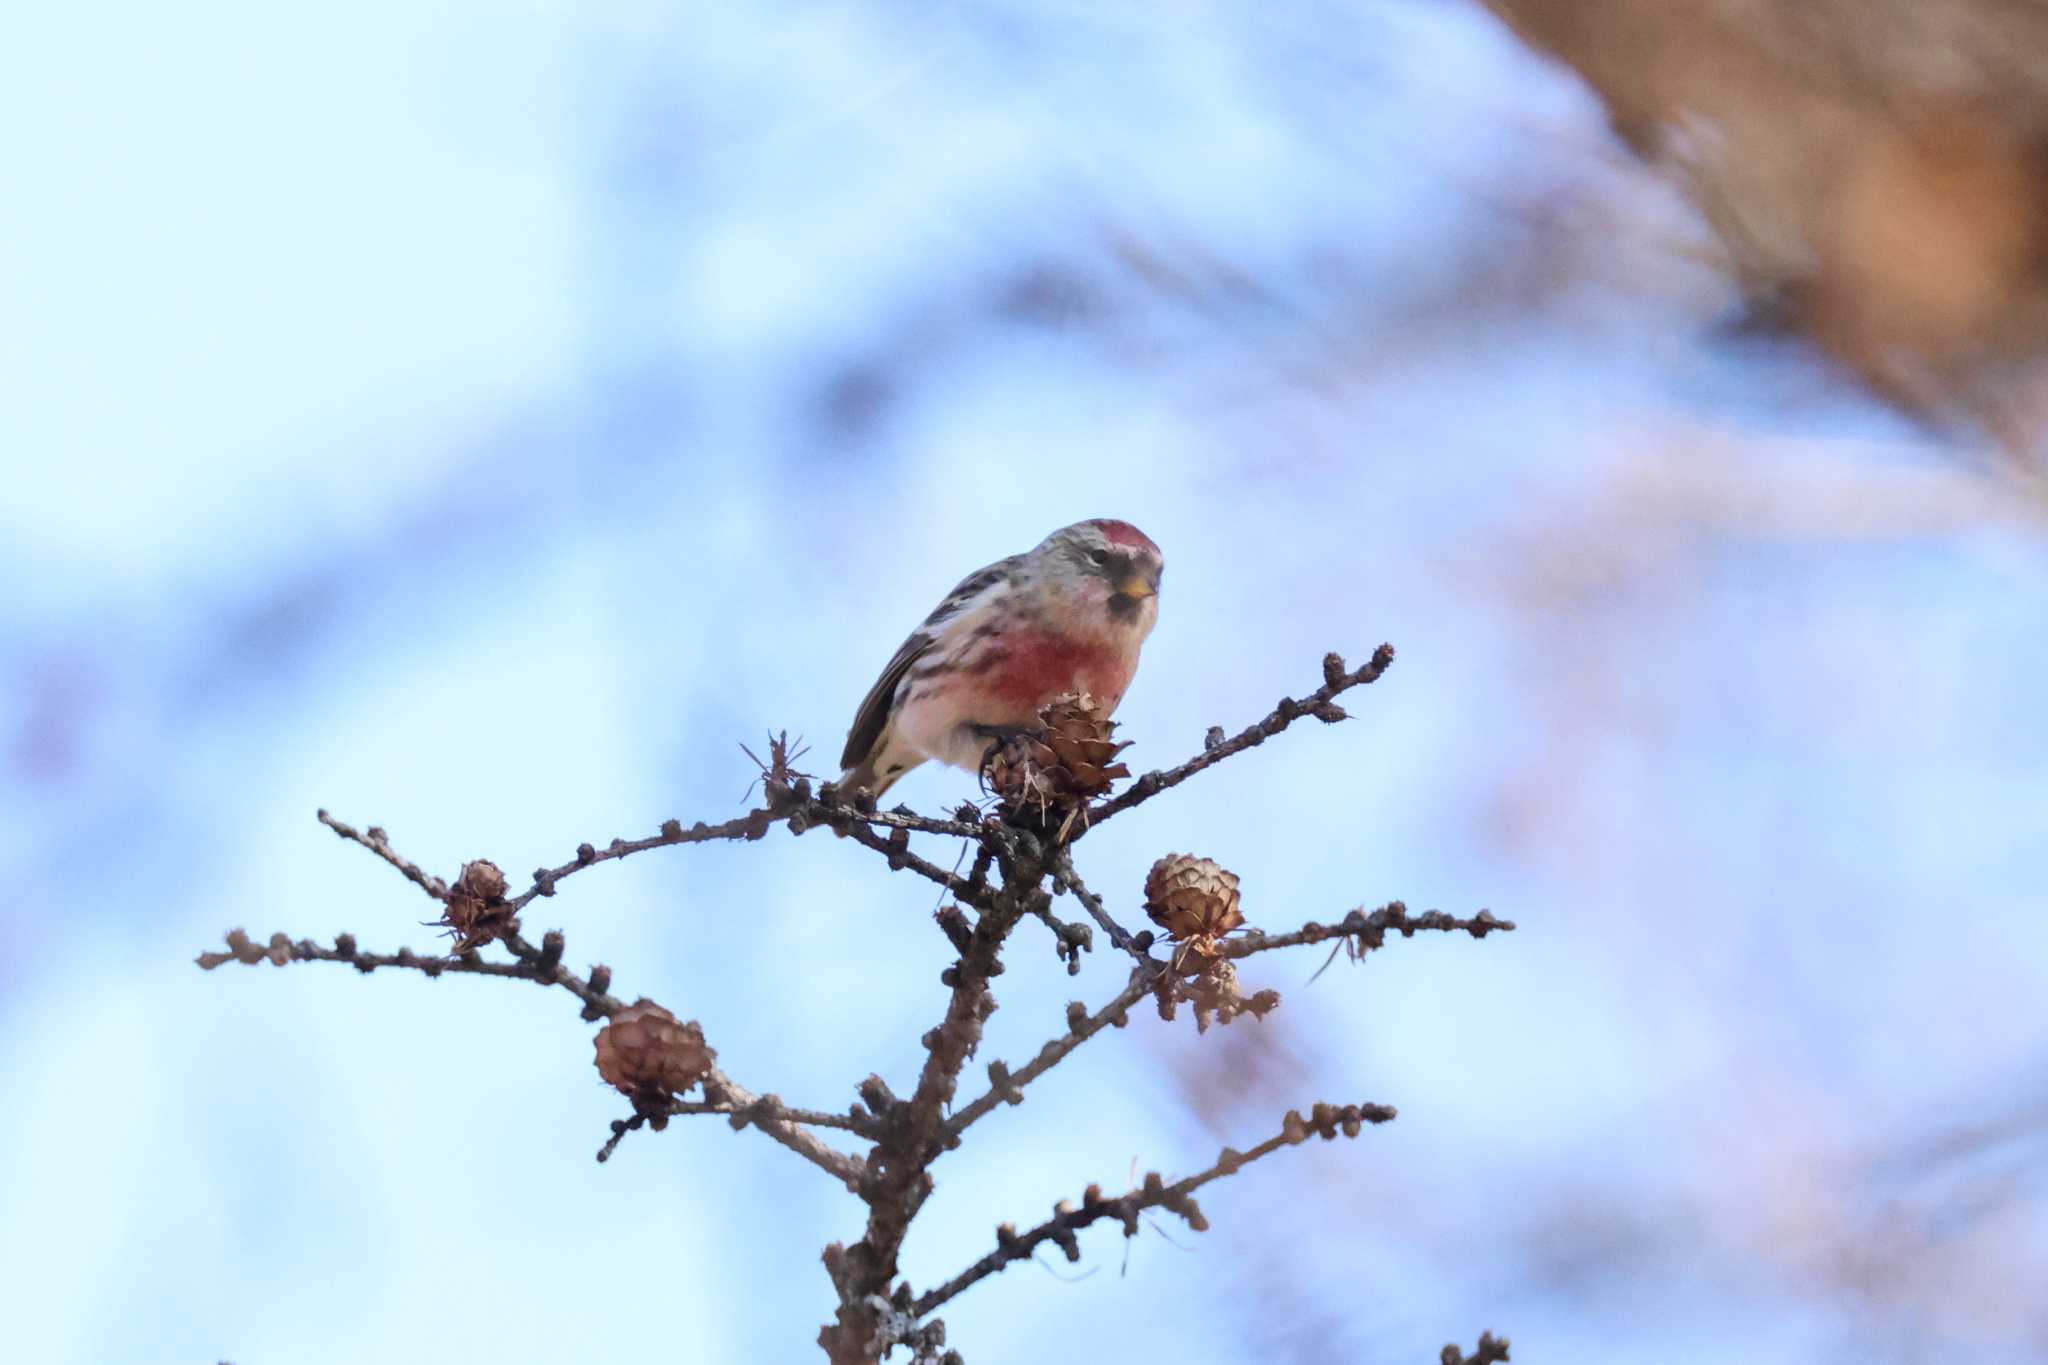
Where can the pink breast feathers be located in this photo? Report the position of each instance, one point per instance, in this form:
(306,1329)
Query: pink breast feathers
(1036,666)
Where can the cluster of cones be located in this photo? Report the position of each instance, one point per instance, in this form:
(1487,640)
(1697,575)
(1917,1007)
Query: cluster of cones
(1195,902)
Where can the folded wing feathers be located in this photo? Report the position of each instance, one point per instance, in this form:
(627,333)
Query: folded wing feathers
(978,590)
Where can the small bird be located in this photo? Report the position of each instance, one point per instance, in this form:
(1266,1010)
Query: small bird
(1068,616)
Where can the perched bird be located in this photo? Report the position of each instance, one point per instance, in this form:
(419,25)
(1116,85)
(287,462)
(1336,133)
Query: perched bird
(1068,616)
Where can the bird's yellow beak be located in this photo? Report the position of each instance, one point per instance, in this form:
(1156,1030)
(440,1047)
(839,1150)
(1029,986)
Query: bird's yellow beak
(1135,587)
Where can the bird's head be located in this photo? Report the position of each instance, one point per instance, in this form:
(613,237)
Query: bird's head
(1109,570)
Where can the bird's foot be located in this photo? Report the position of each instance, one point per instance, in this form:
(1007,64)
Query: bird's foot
(1002,734)
(995,738)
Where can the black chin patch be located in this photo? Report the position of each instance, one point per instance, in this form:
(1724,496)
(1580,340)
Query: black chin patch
(1123,606)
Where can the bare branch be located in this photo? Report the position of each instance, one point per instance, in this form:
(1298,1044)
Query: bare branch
(1071,938)
(916,1131)
(719,1088)
(281,950)
(374,840)
(1320,703)
(1325,1121)
(771,1107)
(796,808)
(1008,1085)
(764,1108)
(1366,931)
(1016,872)
(543,965)
(896,846)
(903,818)
(620,1127)
(1065,878)
(753,825)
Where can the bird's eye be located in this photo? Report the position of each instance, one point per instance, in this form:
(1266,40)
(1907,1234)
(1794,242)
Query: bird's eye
(1099,556)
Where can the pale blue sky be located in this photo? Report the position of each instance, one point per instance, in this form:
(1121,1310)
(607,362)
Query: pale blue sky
(478,422)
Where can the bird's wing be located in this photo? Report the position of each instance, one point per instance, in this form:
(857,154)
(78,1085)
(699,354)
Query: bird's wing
(873,717)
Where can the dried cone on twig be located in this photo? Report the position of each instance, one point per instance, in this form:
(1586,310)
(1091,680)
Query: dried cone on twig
(1195,901)
(476,911)
(1062,767)
(649,1056)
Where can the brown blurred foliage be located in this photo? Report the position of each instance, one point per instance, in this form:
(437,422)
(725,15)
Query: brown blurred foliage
(1873,171)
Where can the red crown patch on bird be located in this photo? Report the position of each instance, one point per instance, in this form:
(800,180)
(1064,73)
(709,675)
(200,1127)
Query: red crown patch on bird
(1125,534)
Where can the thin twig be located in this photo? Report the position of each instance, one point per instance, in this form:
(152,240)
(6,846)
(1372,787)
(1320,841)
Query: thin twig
(904,818)
(719,1088)
(543,966)
(620,1127)
(1324,1120)
(1064,876)
(1006,1084)
(374,840)
(769,1106)
(753,825)
(798,810)
(280,950)
(1071,938)
(896,847)
(1320,703)
(1367,930)
(764,1107)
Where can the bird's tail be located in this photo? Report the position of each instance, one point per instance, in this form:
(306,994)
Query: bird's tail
(862,776)
(880,768)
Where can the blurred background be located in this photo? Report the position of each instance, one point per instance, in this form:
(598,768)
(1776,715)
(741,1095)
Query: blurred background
(479,420)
